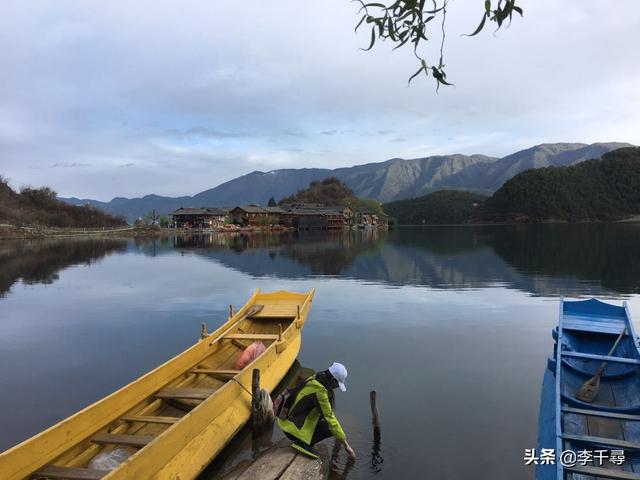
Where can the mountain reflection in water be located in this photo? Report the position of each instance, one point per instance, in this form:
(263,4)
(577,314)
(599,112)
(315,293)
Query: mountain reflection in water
(544,260)
(39,261)
(539,259)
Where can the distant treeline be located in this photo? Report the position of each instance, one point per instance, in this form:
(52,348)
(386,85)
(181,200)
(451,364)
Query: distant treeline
(39,206)
(438,208)
(594,190)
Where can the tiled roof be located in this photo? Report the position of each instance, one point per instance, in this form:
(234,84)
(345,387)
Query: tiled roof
(251,208)
(332,210)
(274,209)
(199,211)
(314,211)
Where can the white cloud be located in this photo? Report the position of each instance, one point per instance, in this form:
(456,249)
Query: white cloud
(190,94)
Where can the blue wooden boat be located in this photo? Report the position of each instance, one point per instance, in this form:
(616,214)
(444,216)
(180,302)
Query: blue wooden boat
(586,332)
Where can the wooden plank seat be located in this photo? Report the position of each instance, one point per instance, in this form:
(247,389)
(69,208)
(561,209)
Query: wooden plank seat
(601,358)
(251,336)
(603,473)
(281,310)
(211,371)
(185,393)
(593,324)
(137,441)
(602,413)
(54,472)
(150,419)
(610,442)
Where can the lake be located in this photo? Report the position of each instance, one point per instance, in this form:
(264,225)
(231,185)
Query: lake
(451,325)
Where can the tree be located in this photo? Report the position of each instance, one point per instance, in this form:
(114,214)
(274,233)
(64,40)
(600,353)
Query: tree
(366,204)
(40,196)
(164,221)
(404,23)
(272,202)
(330,191)
(153,217)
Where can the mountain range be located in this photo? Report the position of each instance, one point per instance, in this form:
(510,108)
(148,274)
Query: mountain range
(393,179)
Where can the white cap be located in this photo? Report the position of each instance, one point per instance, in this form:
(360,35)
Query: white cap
(339,372)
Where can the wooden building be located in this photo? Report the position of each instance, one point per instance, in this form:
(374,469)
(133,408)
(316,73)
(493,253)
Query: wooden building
(306,216)
(256,216)
(199,217)
(367,217)
(338,217)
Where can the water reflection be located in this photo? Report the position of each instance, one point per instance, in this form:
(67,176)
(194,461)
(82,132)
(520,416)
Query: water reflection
(544,260)
(605,254)
(39,261)
(427,351)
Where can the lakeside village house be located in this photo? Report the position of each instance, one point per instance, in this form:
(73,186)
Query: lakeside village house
(301,216)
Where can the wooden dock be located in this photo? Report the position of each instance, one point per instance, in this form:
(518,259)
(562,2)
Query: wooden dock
(281,462)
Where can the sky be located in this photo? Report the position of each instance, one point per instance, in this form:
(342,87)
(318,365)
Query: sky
(105,99)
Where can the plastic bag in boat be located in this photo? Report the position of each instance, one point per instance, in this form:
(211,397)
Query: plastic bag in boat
(109,460)
(252,352)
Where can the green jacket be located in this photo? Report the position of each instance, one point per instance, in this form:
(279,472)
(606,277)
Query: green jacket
(312,402)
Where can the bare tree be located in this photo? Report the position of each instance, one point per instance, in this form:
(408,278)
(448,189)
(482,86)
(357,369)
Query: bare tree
(153,217)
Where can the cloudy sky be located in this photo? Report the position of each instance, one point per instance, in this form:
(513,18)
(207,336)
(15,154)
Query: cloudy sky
(104,99)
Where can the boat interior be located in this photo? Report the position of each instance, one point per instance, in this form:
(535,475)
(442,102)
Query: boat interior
(612,420)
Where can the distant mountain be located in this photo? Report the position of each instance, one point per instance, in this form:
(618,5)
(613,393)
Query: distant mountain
(545,155)
(394,179)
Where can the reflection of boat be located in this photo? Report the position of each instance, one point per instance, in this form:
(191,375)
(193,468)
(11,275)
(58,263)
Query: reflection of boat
(175,419)
(586,333)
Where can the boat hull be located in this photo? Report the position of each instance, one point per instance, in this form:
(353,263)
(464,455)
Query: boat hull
(588,334)
(184,448)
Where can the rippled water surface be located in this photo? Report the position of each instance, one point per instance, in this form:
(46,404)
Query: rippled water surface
(450,325)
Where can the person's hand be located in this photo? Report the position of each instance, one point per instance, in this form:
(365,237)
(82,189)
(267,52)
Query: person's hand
(350,452)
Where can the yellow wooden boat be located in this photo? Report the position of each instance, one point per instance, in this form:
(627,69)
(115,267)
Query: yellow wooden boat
(176,418)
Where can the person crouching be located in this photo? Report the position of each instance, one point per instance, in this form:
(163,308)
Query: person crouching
(305,412)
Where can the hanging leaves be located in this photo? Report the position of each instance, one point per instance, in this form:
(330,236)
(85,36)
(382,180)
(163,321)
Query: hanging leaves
(405,22)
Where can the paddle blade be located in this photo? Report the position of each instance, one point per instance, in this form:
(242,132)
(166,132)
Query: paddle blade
(254,310)
(589,390)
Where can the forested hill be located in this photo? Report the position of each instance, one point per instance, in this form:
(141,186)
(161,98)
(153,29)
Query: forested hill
(438,208)
(329,191)
(39,206)
(595,190)
(332,192)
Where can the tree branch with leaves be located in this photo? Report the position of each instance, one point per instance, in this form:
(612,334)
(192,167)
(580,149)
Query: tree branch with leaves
(405,23)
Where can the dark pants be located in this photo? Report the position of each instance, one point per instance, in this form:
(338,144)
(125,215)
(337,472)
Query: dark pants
(320,433)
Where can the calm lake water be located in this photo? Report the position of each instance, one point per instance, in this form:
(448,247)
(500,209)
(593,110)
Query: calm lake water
(452,327)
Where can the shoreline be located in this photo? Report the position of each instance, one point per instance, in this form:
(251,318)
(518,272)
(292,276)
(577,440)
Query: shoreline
(13,232)
(630,220)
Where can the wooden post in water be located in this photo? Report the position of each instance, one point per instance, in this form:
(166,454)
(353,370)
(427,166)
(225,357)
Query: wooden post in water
(261,406)
(375,418)
(376,458)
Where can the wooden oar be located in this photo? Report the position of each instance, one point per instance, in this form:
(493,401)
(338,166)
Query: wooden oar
(589,389)
(251,311)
